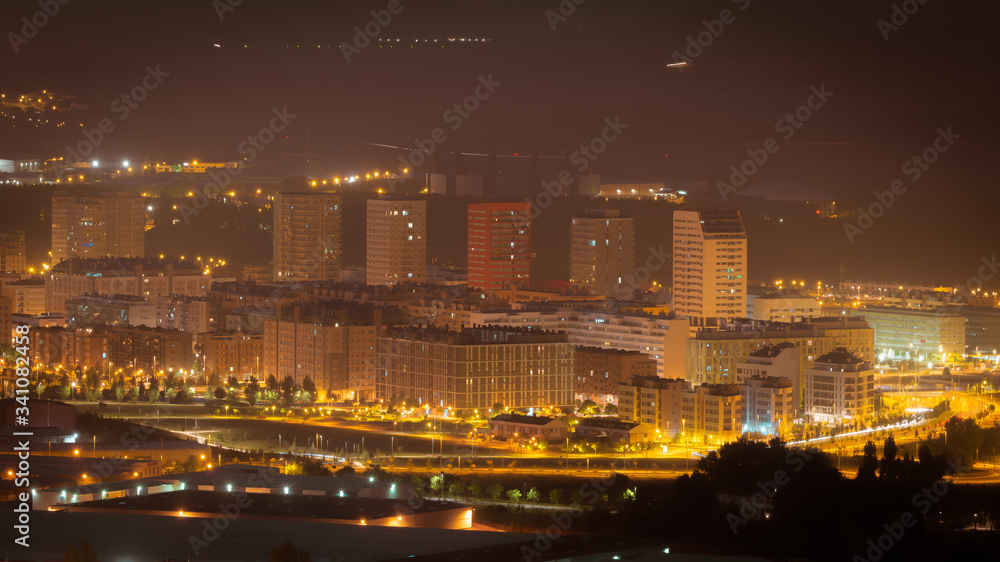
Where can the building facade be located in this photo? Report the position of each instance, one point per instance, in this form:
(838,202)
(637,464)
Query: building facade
(499,245)
(839,388)
(146,278)
(476,368)
(598,372)
(653,401)
(601,254)
(307,237)
(151,350)
(710,266)
(13,256)
(780,361)
(713,412)
(27,295)
(920,335)
(397,241)
(784,308)
(236,354)
(95,310)
(108,225)
(768,405)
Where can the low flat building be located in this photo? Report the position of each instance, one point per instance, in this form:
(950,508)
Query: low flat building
(27,295)
(783,308)
(919,335)
(615,430)
(122,310)
(520,427)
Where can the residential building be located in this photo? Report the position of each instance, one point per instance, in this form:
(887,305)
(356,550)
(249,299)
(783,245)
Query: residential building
(475,368)
(519,427)
(779,361)
(499,245)
(232,354)
(662,338)
(601,253)
(920,335)
(598,371)
(147,278)
(783,308)
(713,412)
(397,241)
(768,405)
(27,295)
(839,388)
(122,310)
(712,355)
(179,312)
(338,354)
(152,350)
(107,225)
(13,256)
(6,319)
(653,401)
(307,237)
(710,267)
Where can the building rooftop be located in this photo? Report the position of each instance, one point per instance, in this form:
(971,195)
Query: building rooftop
(607,423)
(840,356)
(512,417)
(477,336)
(772,351)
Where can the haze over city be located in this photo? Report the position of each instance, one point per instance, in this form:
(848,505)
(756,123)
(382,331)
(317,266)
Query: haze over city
(450,280)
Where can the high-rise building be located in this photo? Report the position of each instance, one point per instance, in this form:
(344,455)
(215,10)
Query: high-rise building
(307,237)
(710,266)
(601,253)
(499,245)
(397,241)
(108,225)
(13,256)
(839,388)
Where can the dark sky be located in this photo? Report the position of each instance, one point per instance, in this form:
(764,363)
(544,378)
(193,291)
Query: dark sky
(607,59)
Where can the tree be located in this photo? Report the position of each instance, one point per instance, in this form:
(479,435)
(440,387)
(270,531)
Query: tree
(437,484)
(272,383)
(869,463)
(475,487)
(309,385)
(215,379)
(887,468)
(498,408)
(84,555)
(587,406)
(251,390)
(288,552)
(220,392)
(288,390)
(232,382)
(514,495)
(456,489)
(533,495)
(495,490)
(555,495)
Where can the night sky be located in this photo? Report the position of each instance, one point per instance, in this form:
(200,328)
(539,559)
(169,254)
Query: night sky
(606,59)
